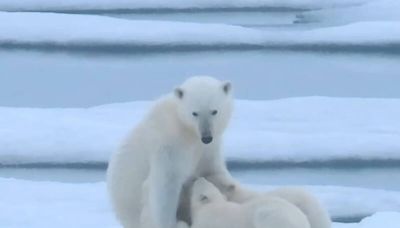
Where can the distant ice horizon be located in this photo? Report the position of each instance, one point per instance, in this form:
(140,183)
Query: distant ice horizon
(56,80)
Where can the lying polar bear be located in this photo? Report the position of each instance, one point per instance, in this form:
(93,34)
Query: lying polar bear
(315,212)
(210,209)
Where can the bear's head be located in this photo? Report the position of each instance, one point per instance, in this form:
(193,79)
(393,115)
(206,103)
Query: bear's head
(203,193)
(205,105)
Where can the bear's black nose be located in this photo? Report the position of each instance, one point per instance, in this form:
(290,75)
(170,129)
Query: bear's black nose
(207,139)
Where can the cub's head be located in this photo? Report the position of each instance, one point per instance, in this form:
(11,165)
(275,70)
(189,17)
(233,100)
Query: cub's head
(203,193)
(205,105)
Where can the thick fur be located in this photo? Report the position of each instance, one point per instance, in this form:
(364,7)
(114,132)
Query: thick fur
(316,214)
(170,147)
(210,209)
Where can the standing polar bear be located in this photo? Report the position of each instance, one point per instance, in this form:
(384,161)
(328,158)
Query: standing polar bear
(176,142)
(210,209)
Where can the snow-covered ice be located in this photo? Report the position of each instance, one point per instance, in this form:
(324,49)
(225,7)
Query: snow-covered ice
(292,130)
(48,5)
(378,10)
(352,201)
(49,29)
(52,204)
(389,219)
(61,28)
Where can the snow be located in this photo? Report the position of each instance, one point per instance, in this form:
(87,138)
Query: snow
(71,5)
(378,10)
(390,219)
(315,128)
(350,201)
(60,30)
(292,130)
(309,129)
(52,204)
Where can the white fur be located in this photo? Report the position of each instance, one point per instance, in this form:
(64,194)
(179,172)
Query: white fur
(316,214)
(147,175)
(211,209)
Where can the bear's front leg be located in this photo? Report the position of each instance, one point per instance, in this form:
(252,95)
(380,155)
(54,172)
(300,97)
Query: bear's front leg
(166,179)
(217,173)
(231,188)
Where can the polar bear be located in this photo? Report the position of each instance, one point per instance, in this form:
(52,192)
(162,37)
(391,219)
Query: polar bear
(211,209)
(177,141)
(316,214)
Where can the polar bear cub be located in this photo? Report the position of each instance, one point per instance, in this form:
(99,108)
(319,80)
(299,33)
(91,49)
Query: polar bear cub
(315,212)
(211,209)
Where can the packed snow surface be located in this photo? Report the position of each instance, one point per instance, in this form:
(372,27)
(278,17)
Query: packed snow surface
(52,204)
(61,30)
(48,5)
(292,130)
(351,201)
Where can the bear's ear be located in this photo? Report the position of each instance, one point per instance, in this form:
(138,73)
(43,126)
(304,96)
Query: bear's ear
(227,87)
(178,93)
(204,199)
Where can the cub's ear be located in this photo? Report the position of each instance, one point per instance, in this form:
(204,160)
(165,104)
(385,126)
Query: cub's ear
(227,87)
(204,199)
(179,93)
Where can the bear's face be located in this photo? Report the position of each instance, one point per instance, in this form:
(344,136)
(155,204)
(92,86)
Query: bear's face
(205,105)
(203,193)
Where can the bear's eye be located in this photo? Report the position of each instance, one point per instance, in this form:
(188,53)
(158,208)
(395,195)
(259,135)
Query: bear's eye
(195,114)
(204,199)
(214,112)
